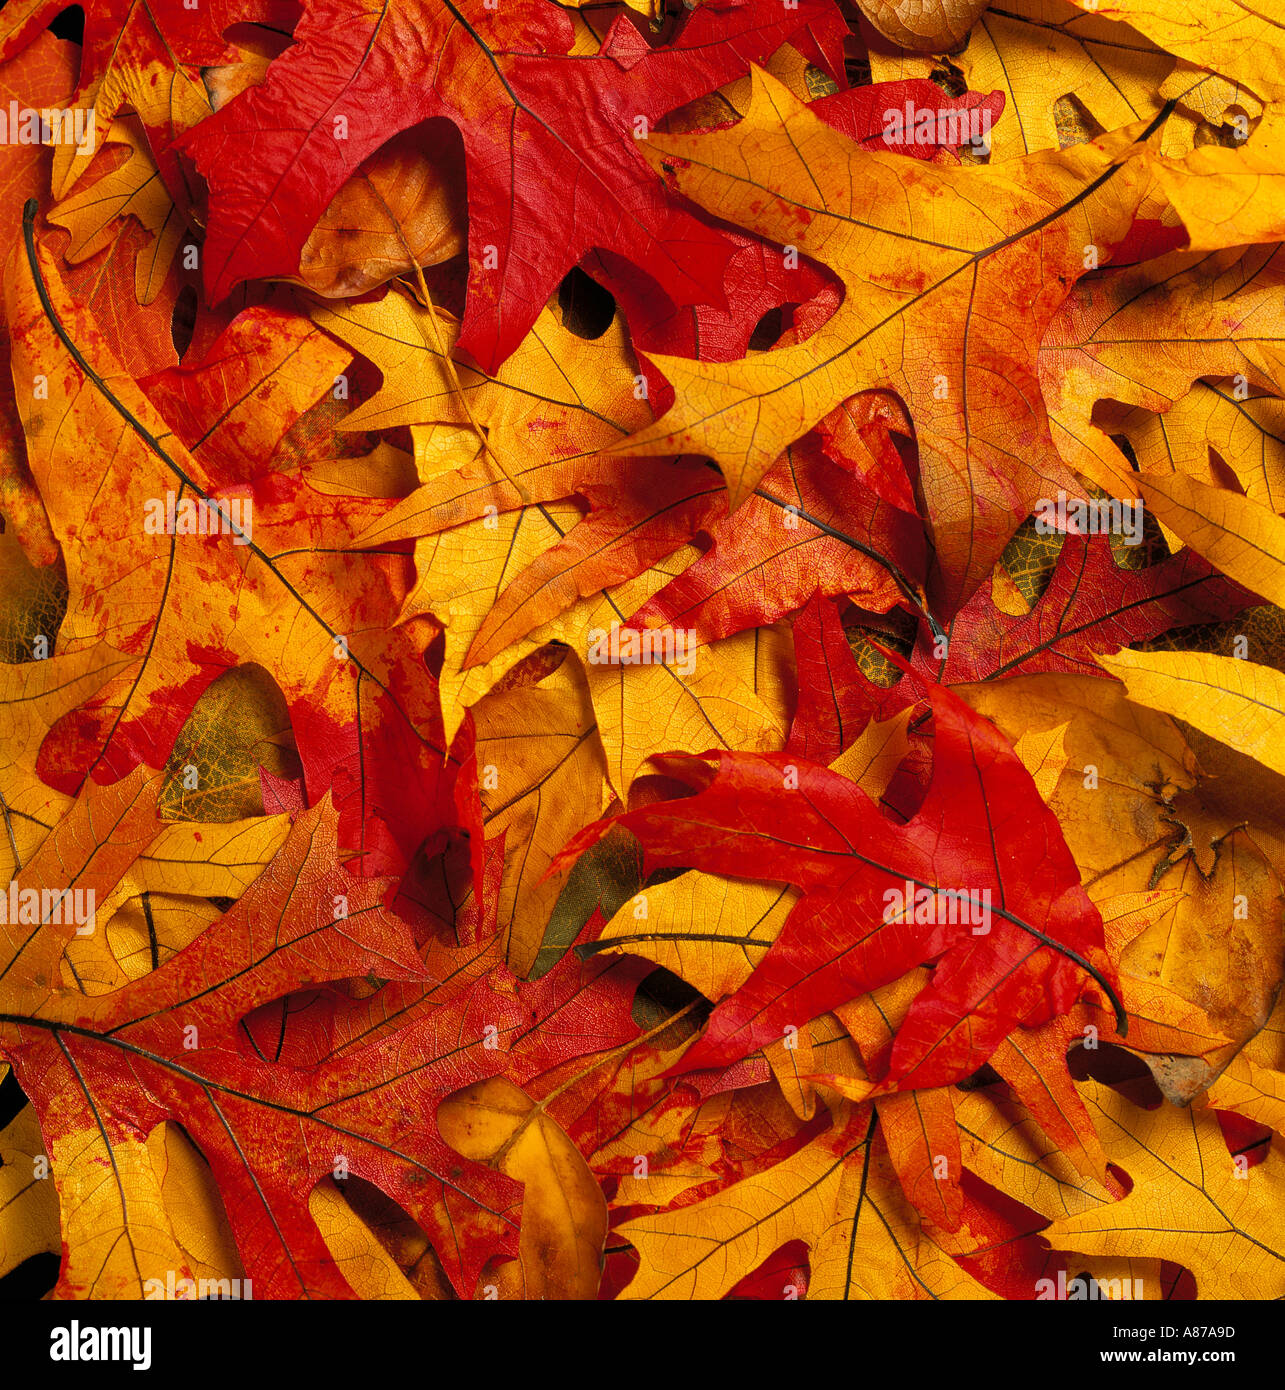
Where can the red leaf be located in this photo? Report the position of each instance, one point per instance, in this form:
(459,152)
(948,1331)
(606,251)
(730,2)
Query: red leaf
(1091,605)
(809,525)
(834,703)
(548,137)
(982,831)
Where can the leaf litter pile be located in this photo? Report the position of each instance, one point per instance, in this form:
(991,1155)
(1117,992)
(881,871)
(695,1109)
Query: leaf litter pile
(643,650)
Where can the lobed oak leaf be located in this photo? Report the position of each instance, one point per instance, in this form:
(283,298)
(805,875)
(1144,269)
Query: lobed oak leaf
(646,516)
(808,524)
(1222,37)
(233,407)
(1132,805)
(713,931)
(375,1245)
(1251,1084)
(759,282)
(918,1126)
(40,77)
(532,114)
(33,697)
(136,55)
(1065,75)
(502,873)
(1091,604)
(361,707)
(173,1045)
(836,1195)
(844,939)
(132,188)
(1207,432)
(733,693)
(1143,335)
(786,175)
(833,706)
(540,777)
(1005,1147)
(1188,1203)
(556,394)
(1231,197)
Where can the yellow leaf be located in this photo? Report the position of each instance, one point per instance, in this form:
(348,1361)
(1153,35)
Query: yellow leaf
(923,24)
(1003,1145)
(28,1199)
(159,904)
(1130,805)
(1237,702)
(564,1214)
(728,694)
(1039,53)
(845,1203)
(33,697)
(1044,756)
(1231,197)
(558,394)
(541,777)
(1224,36)
(134,188)
(920,271)
(1253,1083)
(1189,1202)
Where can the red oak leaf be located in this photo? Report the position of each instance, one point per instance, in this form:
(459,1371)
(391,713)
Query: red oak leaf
(1091,605)
(982,833)
(809,524)
(548,138)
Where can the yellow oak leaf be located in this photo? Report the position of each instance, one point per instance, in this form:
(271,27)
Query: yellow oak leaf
(922,269)
(844,1202)
(1190,1202)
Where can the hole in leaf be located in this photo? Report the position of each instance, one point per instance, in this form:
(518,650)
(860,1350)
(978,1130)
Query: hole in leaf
(587,308)
(1226,136)
(33,1279)
(857,71)
(239,726)
(767,332)
(376,1241)
(1244,1137)
(35,602)
(949,78)
(293,1031)
(183,321)
(70,24)
(1223,472)
(663,994)
(1073,121)
(985,1075)
(894,631)
(1118,1068)
(604,877)
(1030,559)
(12,1099)
(188,1186)
(1125,446)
